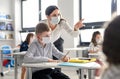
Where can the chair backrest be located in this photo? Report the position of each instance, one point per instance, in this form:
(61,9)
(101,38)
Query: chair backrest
(6,49)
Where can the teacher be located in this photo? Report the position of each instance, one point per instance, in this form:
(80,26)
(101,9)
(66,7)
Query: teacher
(58,25)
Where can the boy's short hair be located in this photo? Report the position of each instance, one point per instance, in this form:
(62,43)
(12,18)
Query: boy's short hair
(41,27)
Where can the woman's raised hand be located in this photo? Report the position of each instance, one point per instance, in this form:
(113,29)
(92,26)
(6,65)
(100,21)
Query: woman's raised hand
(78,25)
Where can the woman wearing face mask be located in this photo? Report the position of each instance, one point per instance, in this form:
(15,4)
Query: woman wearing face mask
(42,50)
(57,25)
(95,47)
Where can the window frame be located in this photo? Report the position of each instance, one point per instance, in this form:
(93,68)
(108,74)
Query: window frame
(92,24)
(99,23)
(31,29)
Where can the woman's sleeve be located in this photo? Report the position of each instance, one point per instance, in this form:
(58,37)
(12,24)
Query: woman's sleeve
(30,56)
(69,29)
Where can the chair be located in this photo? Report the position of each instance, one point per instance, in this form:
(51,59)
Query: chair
(6,53)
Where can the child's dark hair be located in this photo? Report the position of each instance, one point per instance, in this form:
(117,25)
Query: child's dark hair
(29,35)
(41,27)
(111,43)
(93,40)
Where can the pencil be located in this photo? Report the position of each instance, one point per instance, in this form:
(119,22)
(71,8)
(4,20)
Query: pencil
(67,53)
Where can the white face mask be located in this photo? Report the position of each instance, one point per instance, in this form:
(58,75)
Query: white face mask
(46,39)
(99,41)
(55,20)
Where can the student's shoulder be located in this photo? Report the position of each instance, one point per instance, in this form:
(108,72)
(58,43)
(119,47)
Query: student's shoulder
(24,43)
(34,43)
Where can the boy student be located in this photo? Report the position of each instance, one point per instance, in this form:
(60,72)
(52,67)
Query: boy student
(42,50)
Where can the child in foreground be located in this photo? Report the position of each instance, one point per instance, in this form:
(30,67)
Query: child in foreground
(42,50)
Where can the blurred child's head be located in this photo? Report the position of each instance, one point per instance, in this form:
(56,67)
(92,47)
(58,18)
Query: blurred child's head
(111,43)
(29,38)
(96,38)
(43,33)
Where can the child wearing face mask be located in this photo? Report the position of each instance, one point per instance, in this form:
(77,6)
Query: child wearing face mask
(95,48)
(42,50)
(96,43)
(24,47)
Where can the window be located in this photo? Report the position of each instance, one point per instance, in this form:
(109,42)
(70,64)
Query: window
(118,7)
(85,40)
(44,5)
(33,11)
(30,13)
(95,10)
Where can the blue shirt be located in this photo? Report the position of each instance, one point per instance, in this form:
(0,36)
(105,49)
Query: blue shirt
(24,46)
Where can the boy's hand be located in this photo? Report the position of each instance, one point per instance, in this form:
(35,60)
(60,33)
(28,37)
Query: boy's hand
(65,59)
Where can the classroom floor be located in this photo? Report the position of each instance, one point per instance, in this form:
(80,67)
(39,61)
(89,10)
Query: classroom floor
(70,72)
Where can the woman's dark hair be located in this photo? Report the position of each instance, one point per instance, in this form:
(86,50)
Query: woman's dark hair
(111,43)
(29,35)
(50,9)
(93,40)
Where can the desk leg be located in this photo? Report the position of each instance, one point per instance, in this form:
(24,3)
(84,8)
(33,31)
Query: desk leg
(79,73)
(16,67)
(77,53)
(83,73)
(1,64)
(29,73)
(91,74)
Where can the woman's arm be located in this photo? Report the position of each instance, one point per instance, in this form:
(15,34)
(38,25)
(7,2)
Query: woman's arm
(74,32)
(78,25)
(59,54)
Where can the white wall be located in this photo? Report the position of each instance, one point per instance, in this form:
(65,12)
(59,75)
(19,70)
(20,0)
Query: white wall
(70,11)
(6,7)
(17,16)
(12,7)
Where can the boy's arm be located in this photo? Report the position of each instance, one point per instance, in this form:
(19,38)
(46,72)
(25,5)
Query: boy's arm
(59,54)
(30,55)
(56,52)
